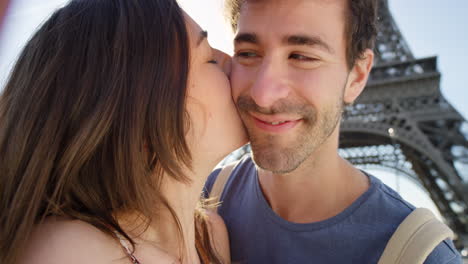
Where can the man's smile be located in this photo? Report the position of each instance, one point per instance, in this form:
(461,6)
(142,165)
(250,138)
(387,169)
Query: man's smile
(274,123)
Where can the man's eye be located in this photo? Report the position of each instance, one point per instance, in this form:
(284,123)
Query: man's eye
(246,54)
(213,61)
(300,57)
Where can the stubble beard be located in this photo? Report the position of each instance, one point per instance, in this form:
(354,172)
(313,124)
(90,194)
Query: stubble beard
(279,155)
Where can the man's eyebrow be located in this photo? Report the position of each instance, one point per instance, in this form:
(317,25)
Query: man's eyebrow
(295,40)
(203,35)
(246,38)
(304,40)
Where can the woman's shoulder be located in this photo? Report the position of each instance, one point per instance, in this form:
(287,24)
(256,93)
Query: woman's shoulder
(59,240)
(219,235)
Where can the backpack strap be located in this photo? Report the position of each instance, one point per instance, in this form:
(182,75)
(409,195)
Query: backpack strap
(415,238)
(220,181)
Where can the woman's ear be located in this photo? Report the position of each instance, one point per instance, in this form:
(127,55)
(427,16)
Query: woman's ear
(358,76)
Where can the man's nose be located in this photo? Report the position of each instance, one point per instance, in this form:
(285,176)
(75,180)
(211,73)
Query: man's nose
(269,85)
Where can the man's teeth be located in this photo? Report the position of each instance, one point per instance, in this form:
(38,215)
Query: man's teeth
(277,123)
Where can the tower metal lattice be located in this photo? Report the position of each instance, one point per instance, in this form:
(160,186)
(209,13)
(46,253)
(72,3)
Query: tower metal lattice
(403,122)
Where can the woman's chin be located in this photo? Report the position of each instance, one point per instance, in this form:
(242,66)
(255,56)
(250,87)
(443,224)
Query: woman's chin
(240,140)
(217,146)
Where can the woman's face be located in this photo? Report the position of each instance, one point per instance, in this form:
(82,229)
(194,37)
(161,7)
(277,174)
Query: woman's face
(215,126)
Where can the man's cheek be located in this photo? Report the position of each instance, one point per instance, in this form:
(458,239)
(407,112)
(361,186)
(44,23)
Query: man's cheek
(237,82)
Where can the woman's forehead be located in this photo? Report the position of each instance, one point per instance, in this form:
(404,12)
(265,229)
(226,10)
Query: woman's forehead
(193,29)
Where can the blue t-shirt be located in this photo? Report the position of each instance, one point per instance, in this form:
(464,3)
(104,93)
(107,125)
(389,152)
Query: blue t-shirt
(357,235)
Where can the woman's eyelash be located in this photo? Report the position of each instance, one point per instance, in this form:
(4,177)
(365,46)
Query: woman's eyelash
(213,61)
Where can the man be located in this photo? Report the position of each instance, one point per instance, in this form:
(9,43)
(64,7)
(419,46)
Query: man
(297,63)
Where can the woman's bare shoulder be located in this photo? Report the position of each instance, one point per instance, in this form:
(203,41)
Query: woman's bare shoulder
(71,241)
(219,235)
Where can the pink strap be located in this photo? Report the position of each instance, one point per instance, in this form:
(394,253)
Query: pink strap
(126,245)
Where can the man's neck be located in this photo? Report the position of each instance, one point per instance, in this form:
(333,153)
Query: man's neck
(321,187)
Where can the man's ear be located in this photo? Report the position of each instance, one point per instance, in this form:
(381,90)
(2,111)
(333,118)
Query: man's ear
(358,76)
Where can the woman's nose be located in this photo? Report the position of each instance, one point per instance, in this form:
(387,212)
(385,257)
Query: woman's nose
(224,61)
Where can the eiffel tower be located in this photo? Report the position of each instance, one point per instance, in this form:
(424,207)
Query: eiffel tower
(402,122)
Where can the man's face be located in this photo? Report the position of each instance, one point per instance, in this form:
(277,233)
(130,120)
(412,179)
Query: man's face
(290,77)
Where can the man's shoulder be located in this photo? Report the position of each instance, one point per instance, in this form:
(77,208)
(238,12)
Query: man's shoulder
(382,205)
(444,253)
(391,209)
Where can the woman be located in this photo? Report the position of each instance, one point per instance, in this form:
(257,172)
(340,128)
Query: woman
(113,117)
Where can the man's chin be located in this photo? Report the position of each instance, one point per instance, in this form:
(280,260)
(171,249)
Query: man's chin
(277,163)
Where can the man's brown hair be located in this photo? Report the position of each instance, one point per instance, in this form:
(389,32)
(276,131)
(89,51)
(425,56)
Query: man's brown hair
(360,28)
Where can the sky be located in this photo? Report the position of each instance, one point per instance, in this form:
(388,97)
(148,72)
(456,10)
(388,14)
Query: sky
(430,27)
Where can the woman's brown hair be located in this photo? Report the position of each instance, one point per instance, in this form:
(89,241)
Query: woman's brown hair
(94,109)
